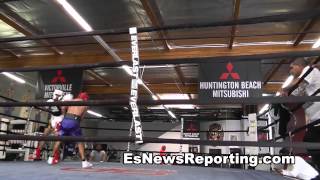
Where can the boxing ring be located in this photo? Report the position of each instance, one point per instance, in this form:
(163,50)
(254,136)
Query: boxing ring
(72,170)
(117,171)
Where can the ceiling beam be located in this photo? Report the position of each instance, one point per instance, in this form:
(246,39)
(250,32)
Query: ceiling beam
(97,76)
(10,52)
(14,25)
(180,75)
(23,26)
(160,88)
(7,21)
(305,28)
(155,17)
(155,88)
(181,79)
(208,53)
(236,12)
(272,71)
(304,31)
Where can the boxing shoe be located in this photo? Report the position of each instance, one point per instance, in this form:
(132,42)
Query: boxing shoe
(38,154)
(86,164)
(50,160)
(55,159)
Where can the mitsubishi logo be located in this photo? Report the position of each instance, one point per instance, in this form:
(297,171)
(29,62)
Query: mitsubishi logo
(225,75)
(59,78)
(191,128)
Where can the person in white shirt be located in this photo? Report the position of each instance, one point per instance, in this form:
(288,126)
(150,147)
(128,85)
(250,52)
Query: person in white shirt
(300,169)
(98,153)
(309,85)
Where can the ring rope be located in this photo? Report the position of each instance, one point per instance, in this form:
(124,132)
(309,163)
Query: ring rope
(13,100)
(309,145)
(112,129)
(304,76)
(165,39)
(251,100)
(299,129)
(21,118)
(294,87)
(303,15)
(140,151)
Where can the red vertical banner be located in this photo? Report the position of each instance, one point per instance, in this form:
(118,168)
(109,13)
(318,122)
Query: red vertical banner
(191,129)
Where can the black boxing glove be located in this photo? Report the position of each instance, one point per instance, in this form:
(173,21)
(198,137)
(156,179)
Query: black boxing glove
(55,110)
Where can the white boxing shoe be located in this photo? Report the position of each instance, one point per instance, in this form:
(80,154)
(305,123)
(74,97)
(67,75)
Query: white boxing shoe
(86,164)
(50,160)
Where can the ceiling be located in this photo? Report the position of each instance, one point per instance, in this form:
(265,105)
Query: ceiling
(272,42)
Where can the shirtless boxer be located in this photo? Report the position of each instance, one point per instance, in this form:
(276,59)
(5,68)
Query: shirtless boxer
(70,126)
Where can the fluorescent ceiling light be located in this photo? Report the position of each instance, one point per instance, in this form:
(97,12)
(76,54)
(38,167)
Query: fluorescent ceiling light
(265,94)
(154,97)
(94,113)
(189,115)
(288,81)
(127,69)
(156,107)
(165,108)
(158,66)
(316,44)
(264,108)
(14,77)
(267,43)
(180,106)
(173,96)
(176,106)
(75,15)
(274,82)
(171,114)
(41,54)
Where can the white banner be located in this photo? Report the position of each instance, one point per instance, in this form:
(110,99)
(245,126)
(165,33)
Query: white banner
(134,85)
(252,134)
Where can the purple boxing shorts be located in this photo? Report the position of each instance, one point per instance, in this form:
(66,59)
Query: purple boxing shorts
(70,127)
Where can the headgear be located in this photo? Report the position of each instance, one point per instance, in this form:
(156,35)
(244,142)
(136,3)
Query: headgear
(57,94)
(84,96)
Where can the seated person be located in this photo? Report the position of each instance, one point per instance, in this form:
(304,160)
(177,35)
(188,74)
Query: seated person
(300,169)
(70,149)
(98,154)
(162,151)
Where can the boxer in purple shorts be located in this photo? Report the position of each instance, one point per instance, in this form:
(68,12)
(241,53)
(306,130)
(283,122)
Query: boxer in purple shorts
(70,126)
